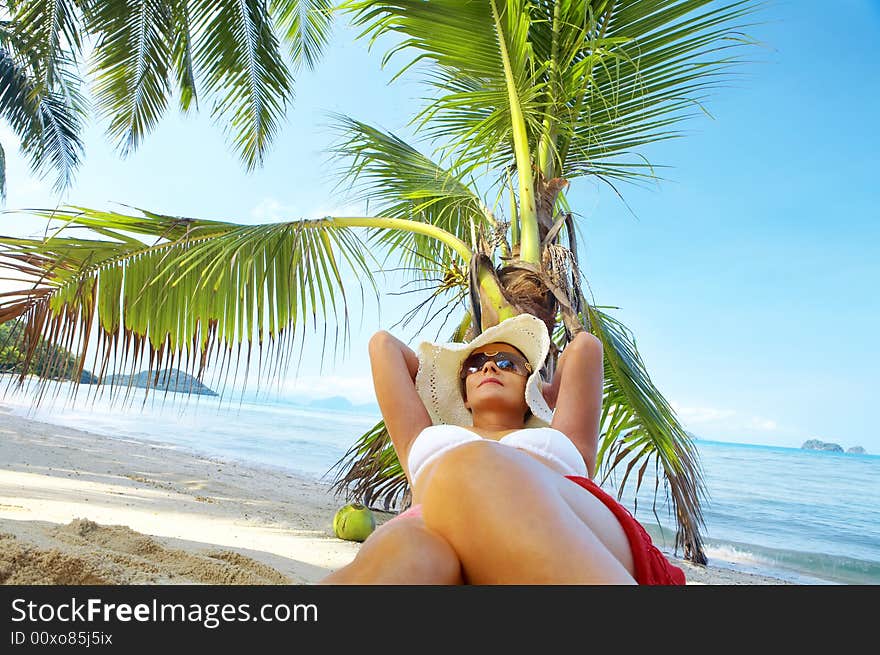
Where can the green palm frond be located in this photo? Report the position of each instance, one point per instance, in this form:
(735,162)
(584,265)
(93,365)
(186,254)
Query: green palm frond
(182,53)
(668,56)
(306,27)
(48,123)
(49,32)
(16,91)
(60,144)
(472,123)
(639,426)
(45,110)
(133,60)
(201,286)
(401,182)
(474,51)
(239,55)
(570,37)
(450,33)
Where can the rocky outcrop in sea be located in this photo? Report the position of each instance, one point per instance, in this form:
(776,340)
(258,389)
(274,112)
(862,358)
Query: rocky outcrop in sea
(170,379)
(817,444)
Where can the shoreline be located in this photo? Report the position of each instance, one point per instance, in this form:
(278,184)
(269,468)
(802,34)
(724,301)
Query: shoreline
(82,508)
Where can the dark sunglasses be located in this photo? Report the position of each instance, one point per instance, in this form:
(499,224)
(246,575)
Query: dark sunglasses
(510,362)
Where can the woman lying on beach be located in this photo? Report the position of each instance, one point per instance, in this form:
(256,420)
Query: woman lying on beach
(500,465)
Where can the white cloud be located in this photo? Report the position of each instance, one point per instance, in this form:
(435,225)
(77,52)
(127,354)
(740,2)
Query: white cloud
(729,424)
(758,423)
(270,209)
(701,414)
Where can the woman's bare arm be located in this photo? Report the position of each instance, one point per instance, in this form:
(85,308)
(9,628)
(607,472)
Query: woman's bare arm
(394,366)
(576,394)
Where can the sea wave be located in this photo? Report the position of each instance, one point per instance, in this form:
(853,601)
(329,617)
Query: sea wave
(796,566)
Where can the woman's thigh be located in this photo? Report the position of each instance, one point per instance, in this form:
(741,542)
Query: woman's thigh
(488,468)
(594,513)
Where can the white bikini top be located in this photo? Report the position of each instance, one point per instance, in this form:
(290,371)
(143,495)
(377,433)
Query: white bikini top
(549,443)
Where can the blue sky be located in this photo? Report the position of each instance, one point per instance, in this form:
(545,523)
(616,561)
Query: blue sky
(748,276)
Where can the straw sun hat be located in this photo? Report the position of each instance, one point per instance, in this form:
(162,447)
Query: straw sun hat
(437,380)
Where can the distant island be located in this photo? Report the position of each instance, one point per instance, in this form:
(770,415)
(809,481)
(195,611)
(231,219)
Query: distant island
(818,444)
(170,379)
(342,404)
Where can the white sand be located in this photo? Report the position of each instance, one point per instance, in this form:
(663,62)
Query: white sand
(81,508)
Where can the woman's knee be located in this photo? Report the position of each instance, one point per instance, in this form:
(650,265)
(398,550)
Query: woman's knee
(414,550)
(394,537)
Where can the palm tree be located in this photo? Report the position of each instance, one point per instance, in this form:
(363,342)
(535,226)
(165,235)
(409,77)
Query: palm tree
(525,96)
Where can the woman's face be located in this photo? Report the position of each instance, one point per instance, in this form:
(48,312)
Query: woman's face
(491,387)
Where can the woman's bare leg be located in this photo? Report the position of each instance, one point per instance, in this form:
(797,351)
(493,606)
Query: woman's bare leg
(511,520)
(402,551)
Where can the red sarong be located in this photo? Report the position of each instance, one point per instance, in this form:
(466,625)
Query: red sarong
(651,566)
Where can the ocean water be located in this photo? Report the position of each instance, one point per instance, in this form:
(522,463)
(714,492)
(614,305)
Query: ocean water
(809,517)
